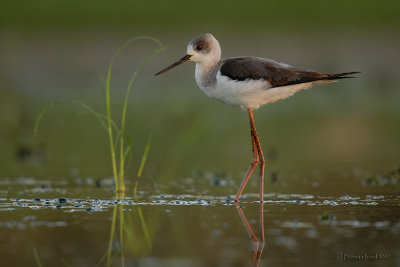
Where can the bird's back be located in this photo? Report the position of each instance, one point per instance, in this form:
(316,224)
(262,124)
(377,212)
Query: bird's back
(276,73)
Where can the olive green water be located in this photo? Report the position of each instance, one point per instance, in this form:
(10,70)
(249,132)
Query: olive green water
(333,157)
(200,226)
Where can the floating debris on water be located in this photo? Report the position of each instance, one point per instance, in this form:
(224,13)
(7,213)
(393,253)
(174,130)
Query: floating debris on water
(390,178)
(96,204)
(327,217)
(62,200)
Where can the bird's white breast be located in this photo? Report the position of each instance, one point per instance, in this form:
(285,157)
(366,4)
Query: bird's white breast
(243,94)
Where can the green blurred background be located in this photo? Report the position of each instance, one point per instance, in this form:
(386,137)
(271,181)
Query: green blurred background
(59,50)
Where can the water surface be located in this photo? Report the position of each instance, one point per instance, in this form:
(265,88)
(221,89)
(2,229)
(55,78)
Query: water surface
(70,223)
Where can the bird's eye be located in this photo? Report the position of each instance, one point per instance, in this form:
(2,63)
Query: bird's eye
(199,47)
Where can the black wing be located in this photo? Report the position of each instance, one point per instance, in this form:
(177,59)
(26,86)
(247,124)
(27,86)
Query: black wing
(276,73)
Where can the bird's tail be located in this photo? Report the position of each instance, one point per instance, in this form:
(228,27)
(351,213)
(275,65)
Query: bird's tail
(343,75)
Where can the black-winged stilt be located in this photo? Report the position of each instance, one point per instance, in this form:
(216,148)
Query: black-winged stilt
(247,82)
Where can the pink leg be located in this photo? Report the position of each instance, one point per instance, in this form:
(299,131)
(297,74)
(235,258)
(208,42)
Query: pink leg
(253,165)
(257,157)
(259,152)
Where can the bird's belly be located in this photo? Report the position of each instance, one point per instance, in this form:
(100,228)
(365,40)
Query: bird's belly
(244,94)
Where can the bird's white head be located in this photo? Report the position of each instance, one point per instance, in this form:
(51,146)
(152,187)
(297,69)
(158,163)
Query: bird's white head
(203,49)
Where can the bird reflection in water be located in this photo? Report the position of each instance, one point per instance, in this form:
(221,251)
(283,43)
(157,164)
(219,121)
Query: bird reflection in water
(257,244)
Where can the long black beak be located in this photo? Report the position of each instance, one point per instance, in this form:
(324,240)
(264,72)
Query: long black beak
(182,60)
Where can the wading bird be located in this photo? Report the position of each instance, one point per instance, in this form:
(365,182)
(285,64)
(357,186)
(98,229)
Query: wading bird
(247,82)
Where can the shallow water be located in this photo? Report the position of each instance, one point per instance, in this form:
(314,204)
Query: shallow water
(59,224)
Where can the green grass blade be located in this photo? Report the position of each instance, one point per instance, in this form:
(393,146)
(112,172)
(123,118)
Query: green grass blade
(128,152)
(144,157)
(40,116)
(126,99)
(112,232)
(99,116)
(121,233)
(141,167)
(37,259)
(123,119)
(120,183)
(144,227)
(109,127)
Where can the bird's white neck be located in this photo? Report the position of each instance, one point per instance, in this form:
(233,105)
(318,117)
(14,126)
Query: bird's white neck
(205,74)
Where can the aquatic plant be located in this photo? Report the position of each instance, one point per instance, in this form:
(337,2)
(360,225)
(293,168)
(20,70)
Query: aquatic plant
(116,134)
(118,143)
